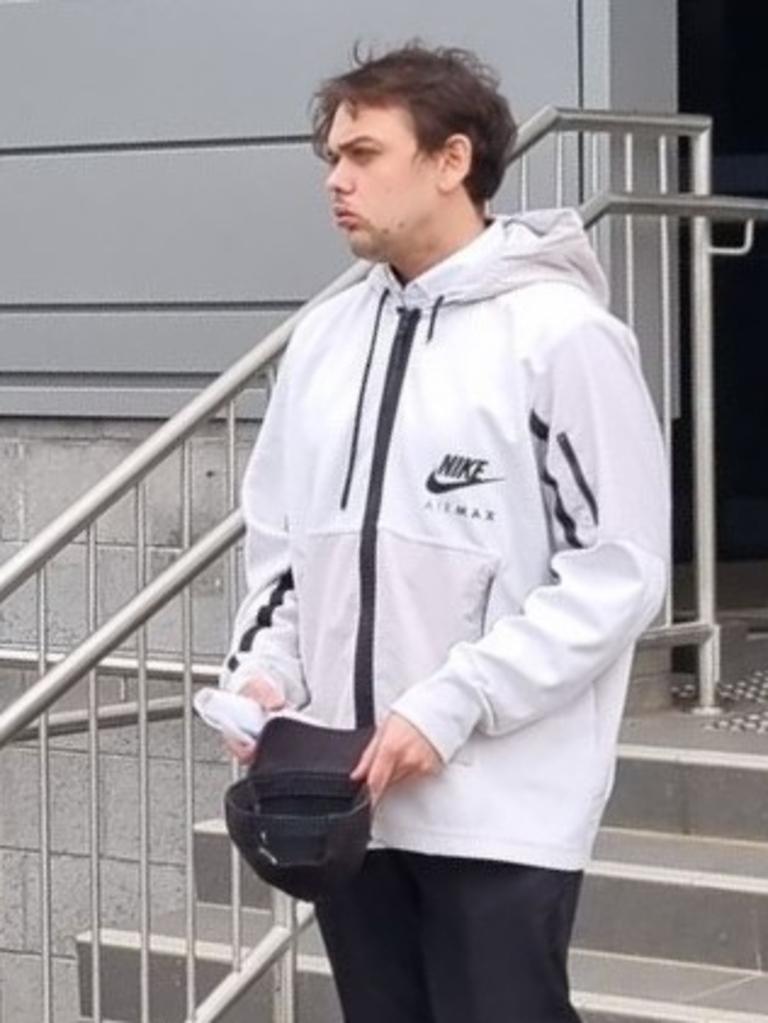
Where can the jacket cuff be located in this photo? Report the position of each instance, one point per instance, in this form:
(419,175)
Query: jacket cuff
(250,668)
(443,708)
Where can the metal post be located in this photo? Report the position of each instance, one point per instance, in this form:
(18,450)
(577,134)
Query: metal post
(559,169)
(284,1004)
(230,575)
(524,197)
(143,793)
(703,402)
(598,231)
(665,287)
(188,749)
(629,230)
(46,880)
(91,590)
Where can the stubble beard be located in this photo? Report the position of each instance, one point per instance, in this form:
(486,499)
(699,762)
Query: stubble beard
(370,244)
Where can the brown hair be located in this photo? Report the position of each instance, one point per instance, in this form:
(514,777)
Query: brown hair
(446,91)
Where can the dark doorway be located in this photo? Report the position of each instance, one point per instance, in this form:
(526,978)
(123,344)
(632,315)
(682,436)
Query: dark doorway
(722,72)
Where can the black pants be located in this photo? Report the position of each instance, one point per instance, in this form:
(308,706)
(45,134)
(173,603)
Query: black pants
(438,939)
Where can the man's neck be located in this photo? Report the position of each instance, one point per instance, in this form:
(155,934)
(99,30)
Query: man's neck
(453,235)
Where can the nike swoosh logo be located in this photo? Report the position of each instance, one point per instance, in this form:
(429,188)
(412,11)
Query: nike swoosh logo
(435,486)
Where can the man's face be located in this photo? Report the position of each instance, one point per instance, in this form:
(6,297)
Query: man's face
(385,192)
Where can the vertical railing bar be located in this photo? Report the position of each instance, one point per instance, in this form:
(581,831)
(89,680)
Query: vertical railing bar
(283,907)
(230,483)
(590,186)
(703,396)
(91,597)
(559,169)
(524,183)
(46,948)
(123,688)
(665,270)
(141,655)
(188,741)
(602,226)
(595,167)
(629,230)
(284,975)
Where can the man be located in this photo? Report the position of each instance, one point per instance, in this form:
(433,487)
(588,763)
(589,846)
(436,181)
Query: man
(457,524)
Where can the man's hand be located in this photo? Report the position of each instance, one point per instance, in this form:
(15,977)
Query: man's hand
(397,751)
(265,694)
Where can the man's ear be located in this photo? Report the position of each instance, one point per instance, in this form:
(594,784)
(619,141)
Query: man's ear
(455,162)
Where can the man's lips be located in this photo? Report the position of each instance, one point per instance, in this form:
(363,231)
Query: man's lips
(346,218)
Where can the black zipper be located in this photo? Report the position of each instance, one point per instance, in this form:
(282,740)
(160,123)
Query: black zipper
(361,399)
(398,360)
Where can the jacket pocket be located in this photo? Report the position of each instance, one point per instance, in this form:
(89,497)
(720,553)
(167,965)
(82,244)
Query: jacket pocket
(428,597)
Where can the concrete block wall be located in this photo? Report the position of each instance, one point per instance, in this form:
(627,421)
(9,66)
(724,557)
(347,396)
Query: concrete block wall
(47,465)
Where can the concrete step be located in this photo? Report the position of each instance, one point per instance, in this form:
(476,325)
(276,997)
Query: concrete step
(610,988)
(607,987)
(680,898)
(168,970)
(679,773)
(213,869)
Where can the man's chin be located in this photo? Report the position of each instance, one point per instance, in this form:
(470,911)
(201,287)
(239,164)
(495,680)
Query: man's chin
(365,248)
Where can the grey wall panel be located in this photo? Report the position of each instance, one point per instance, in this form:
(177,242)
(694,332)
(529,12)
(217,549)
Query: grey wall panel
(124,342)
(95,71)
(223,225)
(645,35)
(114,402)
(205,226)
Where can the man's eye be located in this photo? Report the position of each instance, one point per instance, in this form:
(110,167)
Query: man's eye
(362,155)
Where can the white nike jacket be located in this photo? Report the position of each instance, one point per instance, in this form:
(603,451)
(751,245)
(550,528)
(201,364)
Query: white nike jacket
(459,495)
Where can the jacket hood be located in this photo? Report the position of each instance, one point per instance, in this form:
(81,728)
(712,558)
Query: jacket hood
(513,252)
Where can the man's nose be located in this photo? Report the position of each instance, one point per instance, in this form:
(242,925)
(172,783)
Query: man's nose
(338,179)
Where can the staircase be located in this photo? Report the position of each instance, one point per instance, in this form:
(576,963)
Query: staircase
(673,920)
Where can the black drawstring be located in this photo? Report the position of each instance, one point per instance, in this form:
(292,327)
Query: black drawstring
(361,397)
(434,317)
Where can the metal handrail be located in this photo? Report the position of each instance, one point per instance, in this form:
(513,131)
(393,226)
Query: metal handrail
(162,669)
(115,715)
(86,656)
(723,208)
(272,946)
(79,515)
(550,119)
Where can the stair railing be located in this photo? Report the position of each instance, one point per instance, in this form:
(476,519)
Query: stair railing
(594,131)
(104,640)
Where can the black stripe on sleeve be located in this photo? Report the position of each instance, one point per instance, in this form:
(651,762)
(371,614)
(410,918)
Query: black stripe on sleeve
(538,427)
(540,430)
(266,612)
(562,516)
(570,455)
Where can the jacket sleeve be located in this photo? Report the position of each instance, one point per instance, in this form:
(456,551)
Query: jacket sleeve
(265,635)
(605,486)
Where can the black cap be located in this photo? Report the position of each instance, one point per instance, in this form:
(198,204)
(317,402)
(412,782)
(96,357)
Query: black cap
(297,818)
